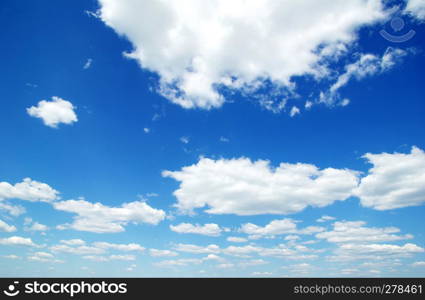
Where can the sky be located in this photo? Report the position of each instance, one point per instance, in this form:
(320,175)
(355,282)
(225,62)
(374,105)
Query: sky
(156,138)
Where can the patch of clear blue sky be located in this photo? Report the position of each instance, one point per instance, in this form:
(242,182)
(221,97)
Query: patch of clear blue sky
(107,157)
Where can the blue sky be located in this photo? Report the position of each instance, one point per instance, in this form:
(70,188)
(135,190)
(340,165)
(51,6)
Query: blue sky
(145,127)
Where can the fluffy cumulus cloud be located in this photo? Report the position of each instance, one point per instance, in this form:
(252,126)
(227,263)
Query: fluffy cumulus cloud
(416,8)
(54,112)
(99,218)
(195,47)
(349,232)
(6,227)
(243,187)
(395,180)
(29,190)
(207,229)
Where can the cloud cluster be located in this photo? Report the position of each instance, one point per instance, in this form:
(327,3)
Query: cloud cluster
(197,47)
(242,187)
(99,218)
(54,112)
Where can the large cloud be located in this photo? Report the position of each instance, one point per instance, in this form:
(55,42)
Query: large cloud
(242,187)
(196,46)
(395,180)
(99,218)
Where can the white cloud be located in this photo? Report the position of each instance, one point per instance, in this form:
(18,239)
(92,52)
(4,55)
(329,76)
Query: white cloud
(253,262)
(225,266)
(291,237)
(373,252)
(36,227)
(79,250)
(11,256)
(302,268)
(126,257)
(73,242)
(207,229)
(162,253)
(419,264)
(224,139)
(349,232)
(236,239)
(131,268)
(185,140)
(13,210)
(178,262)
(416,8)
(275,227)
(308,105)
(241,251)
(395,180)
(325,219)
(196,46)
(366,65)
(242,187)
(44,257)
(54,112)
(382,248)
(88,64)
(120,247)
(294,111)
(189,248)
(261,273)
(29,190)
(146,130)
(99,218)
(17,241)
(6,227)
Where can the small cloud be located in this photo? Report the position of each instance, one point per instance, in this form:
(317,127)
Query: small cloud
(325,219)
(88,64)
(185,139)
(345,102)
(294,111)
(146,130)
(308,104)
(32,85)
(54,112)
(224,140)
(92,14)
